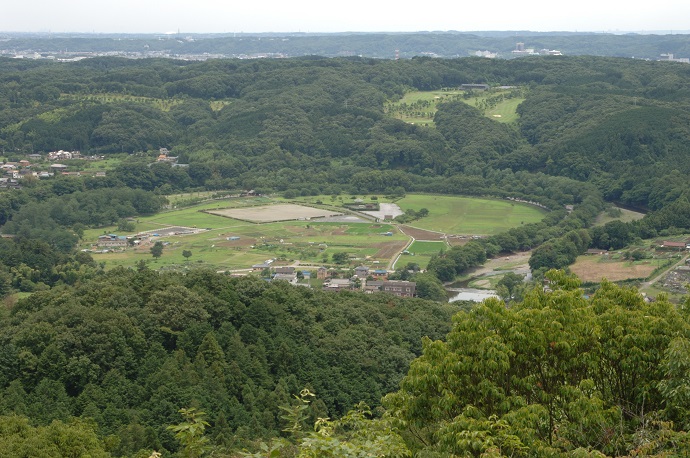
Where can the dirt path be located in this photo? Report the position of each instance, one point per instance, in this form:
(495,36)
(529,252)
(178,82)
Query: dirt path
(649,283)
(516,262)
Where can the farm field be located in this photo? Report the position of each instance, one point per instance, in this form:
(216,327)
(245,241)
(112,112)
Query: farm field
(420,252)
(226,243)
(469,216)
(594,268)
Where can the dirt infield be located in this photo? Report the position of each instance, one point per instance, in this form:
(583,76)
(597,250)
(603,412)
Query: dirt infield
(272,213)
(388,250)
(172,230)
(421,234)
(589,268)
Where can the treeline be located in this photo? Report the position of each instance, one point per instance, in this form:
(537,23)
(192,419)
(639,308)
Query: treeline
(128,349)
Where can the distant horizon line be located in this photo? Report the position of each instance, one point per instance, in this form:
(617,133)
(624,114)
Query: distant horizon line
(351,32)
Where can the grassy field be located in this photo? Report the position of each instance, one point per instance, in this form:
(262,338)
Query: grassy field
(420,252)
(427,248)
(419,107)
(470,216)
(625,215)
(505,111)
(310,242)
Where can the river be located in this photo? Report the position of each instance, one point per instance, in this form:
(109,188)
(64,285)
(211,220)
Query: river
(470,294)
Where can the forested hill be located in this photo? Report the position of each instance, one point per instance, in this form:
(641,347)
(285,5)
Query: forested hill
(317,125)
(124,350)
(129,349)
(377,45)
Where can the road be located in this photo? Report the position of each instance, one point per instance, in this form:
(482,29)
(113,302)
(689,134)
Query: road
(649,283)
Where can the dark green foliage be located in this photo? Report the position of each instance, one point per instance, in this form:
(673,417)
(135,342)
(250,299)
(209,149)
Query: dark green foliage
(129,349)
(553,375)
(157,249)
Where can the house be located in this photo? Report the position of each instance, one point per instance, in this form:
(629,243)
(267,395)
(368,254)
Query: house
(595,251)
(284,270)
(337,284)
(290,278)
(61,155)
(260,267)
(474,87)
(380,274)
(34,157)
(399,288)
(112,241)
(321,273)
(362,271)
(373,286)
(9,183)
(669,244)
(58,167)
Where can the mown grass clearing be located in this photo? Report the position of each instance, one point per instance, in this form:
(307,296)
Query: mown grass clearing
(469,216)
(419,107)
(420,253)
(617,214)
(427,248)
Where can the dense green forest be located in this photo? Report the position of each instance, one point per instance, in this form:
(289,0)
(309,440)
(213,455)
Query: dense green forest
(107,359)
(128,349)
(316,125)
(102,369)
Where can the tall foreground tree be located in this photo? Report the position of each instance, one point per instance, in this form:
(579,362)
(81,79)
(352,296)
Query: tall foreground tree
(556,374)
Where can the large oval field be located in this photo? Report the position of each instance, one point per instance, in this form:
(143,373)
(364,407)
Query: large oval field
(470,215)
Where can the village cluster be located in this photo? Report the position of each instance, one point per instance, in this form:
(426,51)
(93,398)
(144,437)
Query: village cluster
(41,166)
(364,279)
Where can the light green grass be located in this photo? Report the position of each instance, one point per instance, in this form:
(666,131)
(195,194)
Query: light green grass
(626,217)
(419,107)
(470,216)
(427,248)
(420,252)
(505,112)
(307,241)
(294,240)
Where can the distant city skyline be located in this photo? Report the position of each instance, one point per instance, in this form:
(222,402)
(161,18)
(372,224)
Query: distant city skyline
(213,16)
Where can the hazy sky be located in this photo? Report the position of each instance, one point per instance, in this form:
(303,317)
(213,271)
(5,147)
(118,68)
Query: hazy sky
(196,16)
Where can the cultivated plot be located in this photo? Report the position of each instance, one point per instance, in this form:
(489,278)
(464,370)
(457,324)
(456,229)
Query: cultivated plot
(272,213)
(593,269)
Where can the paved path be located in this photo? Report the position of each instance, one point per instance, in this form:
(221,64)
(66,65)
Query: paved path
(391,264)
